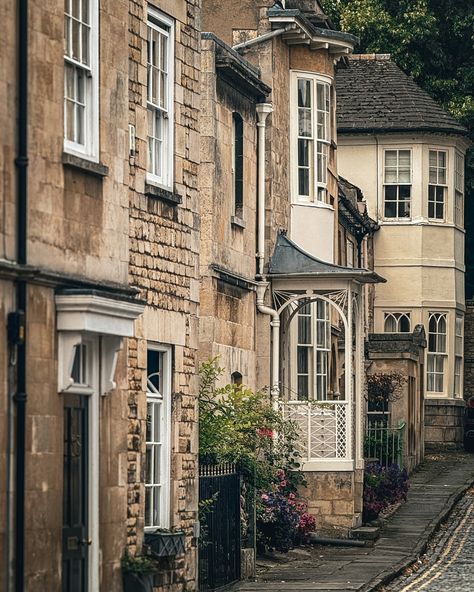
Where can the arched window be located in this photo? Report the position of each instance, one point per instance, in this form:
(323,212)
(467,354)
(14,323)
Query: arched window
(397,322)
(437,351)
(238,164)
(236,378)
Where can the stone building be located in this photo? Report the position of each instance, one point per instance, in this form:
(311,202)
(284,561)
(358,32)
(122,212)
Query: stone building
(407,155)
(297,310)
(99,290)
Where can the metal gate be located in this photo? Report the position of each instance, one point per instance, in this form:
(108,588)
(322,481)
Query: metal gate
(219,547)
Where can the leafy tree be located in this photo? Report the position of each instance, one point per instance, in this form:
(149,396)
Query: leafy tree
(432,41)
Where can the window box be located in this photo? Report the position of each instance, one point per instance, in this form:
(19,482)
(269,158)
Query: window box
(165,544)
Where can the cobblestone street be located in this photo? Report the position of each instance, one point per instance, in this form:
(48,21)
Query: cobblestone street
(448,565)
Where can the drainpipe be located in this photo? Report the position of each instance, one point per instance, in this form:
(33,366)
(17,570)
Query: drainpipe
(263,110)
(275,325)
(20,396)
(262,38)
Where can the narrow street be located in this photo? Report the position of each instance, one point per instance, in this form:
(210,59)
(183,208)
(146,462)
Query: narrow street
(448,565)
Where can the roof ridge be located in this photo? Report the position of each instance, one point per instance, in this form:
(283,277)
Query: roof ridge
(376,57)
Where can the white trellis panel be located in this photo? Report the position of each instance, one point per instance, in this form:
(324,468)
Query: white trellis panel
(324,429)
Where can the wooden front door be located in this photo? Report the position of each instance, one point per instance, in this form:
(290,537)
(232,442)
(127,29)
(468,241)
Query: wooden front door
(76,542)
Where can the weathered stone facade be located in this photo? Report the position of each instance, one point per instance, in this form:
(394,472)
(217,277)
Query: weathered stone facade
(403,354)
(92,230)
(164,266)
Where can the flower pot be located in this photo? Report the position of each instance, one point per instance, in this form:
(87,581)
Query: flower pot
(137,582)
(165,544)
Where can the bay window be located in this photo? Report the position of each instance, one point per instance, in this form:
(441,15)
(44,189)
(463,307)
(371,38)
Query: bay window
(312,138)
(81,118)
(437,351)
(158,440)
(160,56)
(437,184)
(397,183)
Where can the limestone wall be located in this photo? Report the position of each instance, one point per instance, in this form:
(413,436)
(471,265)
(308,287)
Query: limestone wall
(164,266)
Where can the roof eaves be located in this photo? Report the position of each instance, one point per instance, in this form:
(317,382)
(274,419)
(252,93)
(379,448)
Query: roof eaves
(306,33)
(450,130)
(237,70)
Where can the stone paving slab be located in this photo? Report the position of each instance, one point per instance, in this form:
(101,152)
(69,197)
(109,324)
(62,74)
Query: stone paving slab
(434,488)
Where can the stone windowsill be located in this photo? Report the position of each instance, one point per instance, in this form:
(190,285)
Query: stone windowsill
(237,222)
(159,193)
(83,164)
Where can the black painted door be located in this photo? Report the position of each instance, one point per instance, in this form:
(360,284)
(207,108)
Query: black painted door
(75,494)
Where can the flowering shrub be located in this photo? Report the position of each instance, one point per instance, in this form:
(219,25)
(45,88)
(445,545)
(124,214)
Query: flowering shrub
(241,426)
(282,519)
(383,486)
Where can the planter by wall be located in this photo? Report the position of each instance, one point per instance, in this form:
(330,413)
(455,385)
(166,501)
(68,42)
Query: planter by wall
(137,582)
(165,544)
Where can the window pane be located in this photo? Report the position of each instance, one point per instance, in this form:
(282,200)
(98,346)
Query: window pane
(304,329)
(304,122)
(303,152)
(85,11)
(390,210)
(303,362)
(76,32)
(404,159)
(148,507)
(433,159)
(157,419)
(149,420)
(85,45)
(390,324)
(404,324)
(391,158)
(303,182)
(149,464)
(157,476)
(304,93)
(303,392)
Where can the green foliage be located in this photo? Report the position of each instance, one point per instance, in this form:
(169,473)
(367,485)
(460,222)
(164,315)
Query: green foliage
(238,425)
(432,41)
(384,388)
(137,564)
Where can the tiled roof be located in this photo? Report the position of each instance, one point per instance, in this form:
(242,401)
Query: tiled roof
(374,95)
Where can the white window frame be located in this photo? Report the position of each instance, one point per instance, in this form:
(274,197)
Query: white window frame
(459,189)
(165,26)
(164,400)
(458,355)
(318,350)
(318,194)
(439,354)
(90,148)
(397,183)
(436,181)
(396,317)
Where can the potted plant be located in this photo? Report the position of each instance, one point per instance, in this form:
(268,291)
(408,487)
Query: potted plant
(165,543)
(137,573)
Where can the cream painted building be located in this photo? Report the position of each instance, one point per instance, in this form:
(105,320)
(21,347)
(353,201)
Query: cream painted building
(407,155)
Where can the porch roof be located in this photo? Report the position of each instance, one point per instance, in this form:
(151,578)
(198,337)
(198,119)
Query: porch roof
(289,259)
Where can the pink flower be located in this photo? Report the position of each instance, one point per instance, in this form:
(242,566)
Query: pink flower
(265,497)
